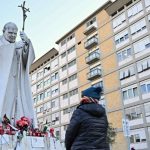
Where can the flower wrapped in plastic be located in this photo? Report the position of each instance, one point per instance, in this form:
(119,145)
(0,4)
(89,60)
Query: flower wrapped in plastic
(23,123)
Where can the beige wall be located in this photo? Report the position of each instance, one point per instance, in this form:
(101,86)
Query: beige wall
(109,64)
(107,48)
(82,77)
(102,18)
(111,82)
(120,143)
(115,118)
(113,100)
(105,32)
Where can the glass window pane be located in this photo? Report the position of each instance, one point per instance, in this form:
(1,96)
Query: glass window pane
(143,89)
(129,52)
(119,57)
(130,93)
(148,88)
(125,95)
(135,92)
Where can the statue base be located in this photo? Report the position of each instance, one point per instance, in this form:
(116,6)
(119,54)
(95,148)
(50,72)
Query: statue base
(10,142)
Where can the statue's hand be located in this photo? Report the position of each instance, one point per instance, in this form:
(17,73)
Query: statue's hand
(24,37)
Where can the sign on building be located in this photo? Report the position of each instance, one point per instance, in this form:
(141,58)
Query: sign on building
(126,127)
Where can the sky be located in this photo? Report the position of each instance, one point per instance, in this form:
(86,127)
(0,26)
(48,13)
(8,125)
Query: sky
(48,20)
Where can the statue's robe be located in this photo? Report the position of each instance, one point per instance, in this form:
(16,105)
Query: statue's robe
(15,89)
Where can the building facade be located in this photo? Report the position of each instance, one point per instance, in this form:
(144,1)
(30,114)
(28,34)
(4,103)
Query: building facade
(110,48)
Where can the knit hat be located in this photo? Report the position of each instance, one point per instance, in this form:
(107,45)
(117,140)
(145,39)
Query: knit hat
(93,92)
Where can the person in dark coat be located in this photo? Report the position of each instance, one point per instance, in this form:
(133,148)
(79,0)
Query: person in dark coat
(88,125)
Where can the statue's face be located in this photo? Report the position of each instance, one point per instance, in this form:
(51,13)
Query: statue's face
(10,33)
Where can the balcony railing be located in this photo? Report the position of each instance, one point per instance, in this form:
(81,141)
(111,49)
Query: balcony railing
(92,57)
(94,74)
(90,29)
(91,42)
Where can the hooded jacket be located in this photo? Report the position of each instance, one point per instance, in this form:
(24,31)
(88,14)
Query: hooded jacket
(87,129)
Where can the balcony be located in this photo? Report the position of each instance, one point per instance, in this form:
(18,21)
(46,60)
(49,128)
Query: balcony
(91,42)
(93,74)
(93,57)
(90,29)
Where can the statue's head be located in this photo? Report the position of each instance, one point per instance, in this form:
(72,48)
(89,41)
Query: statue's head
(10,32)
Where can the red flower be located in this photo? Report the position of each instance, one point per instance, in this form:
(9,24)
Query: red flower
(23,123)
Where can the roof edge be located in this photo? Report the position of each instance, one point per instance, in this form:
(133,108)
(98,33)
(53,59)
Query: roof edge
(104,6)
(51,53)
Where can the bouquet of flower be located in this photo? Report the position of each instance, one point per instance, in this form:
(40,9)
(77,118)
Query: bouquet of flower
(23,123)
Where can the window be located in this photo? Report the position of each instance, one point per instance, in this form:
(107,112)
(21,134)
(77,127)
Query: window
(63,55)
(41,109)
(71,49)
(53,104)
(57,133)
(47,68)
(33,88)
(47,82)
(34,99)
(72,109)
(121,37)
(66,111)
(100,83)
(119,20)
(55,117)
(141,45)
(64,81)
(143,65)
(63,42)
(71,37)
(33,77)
(40,73)
(47,93)
(65,127)
(124,54)
(93,55)
(138,136)
(64,68)
(39,84)
(138,27)
(147,109)
(89,23)
(147,3)
(145,88)
(48,104)
(72,63)
(54,64)
(65,96)
(55,91)
(54,76)
(126,73)
(73,92)
(135,9)
(73,77)
(38,109)
(130,93)
(129,3)
(40,97)
(134,113)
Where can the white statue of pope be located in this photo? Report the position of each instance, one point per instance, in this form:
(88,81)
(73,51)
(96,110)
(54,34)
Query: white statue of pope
(15,60)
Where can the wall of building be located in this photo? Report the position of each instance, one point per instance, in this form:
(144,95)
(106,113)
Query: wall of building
(109,49)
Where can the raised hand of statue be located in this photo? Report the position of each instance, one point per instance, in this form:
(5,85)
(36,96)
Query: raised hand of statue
(24,37)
